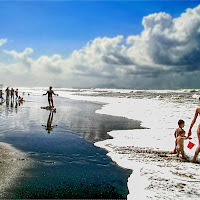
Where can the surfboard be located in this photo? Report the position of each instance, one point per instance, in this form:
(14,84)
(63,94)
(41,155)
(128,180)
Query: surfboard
(49,108)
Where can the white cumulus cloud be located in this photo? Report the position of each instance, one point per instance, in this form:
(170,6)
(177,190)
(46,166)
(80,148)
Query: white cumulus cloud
(3,41)
(20,55)
(167,49)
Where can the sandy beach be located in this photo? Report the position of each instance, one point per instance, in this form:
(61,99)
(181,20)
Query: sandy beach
(13,164)
(106,144)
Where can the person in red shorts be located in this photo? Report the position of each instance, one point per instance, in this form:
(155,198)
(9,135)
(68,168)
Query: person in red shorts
(50,93)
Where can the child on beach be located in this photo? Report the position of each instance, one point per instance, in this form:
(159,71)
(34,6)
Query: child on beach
(180,142)
(181,124)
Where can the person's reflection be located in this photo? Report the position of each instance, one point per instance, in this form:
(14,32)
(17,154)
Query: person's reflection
(7,106)
(7,102)
(2,101)
(11,103)
(16,106)
(49,126)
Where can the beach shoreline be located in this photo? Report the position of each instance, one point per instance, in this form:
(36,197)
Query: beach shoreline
(156,172)
(114,121)
(82,169)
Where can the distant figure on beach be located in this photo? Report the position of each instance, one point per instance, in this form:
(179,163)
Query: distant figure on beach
(50,93)
(7,92)
(1,94)
(180,143)
(21,100)
(12,93)
(181,124)
(1,97)
(197,112)
(16,93)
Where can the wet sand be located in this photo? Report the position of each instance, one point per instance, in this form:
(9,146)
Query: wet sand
(60,161)
(13,163)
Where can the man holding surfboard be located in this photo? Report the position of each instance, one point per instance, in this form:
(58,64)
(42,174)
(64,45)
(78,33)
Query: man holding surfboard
(50,93)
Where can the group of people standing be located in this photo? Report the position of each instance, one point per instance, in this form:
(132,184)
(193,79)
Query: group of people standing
(10,94)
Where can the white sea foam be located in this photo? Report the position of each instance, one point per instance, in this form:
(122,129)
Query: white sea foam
(157,174)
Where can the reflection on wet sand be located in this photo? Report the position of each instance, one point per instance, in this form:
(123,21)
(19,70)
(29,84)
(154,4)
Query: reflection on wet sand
(2,101)
(49,126)
(81,117)
(11,103)
(74,160)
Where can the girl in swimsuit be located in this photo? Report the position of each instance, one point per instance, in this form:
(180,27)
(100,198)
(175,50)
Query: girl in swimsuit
(197,112)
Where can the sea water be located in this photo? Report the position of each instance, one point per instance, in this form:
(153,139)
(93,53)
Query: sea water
(156,172)
(59,160)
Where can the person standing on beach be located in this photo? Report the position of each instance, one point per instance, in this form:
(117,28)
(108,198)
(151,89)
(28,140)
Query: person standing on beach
(50,93)
(16,93)
(7,92)
(1,95)
(197,112)
(12,93)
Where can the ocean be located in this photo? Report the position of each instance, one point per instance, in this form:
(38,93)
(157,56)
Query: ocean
(142,144)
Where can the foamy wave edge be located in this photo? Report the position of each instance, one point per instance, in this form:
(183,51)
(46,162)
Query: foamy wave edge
(138,183)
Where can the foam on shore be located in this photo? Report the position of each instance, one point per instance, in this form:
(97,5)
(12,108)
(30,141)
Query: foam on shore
(157,174)
(12,165)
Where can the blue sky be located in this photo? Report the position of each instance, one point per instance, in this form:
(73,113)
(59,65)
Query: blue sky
(60,27)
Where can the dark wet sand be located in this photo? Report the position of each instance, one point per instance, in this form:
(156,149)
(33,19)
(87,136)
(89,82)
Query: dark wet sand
(61,161)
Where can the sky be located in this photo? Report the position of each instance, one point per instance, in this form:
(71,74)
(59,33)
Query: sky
(100,44)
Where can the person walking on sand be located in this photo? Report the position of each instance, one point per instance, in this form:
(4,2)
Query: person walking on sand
(197,112)
(50,93)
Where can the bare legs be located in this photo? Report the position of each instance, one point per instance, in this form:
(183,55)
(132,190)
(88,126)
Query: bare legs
(198,147)
(180,151)
(50,102)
